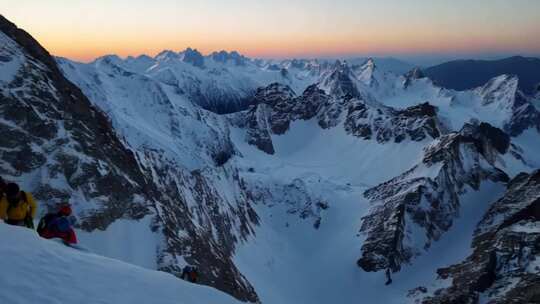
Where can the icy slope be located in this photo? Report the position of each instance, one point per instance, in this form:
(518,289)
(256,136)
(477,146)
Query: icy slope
(36,270)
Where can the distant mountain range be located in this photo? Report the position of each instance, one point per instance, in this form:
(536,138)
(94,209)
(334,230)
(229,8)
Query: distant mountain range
(467,74)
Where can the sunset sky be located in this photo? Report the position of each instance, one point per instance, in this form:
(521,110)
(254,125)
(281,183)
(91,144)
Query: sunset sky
(86,29)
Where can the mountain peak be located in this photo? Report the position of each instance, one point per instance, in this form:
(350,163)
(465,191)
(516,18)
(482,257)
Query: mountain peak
(109,59)
(192,56)
(370,63)
(415,73)
(366,72)
(502,88)
(224,56)
(339,81)
(166,55)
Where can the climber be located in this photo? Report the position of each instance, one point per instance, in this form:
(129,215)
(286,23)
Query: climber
(388,277)
(58,225)
(190,273)
(17,207)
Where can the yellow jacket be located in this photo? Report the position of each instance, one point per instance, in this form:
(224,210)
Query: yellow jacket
(24,207)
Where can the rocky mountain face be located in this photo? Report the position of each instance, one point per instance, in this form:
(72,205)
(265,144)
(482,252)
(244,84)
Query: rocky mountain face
(52,134)
(504,266)
(58,144)
(413,210)
(276,107)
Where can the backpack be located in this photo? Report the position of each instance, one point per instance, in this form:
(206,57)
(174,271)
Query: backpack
(28,221)
(12,204)
(44,222)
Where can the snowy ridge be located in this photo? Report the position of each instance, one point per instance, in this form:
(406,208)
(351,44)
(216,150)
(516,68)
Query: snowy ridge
(49,272)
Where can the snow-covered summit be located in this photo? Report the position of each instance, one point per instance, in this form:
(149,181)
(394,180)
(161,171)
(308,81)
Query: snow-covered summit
(365,73)
(339,81)
(193,57)
(500,89)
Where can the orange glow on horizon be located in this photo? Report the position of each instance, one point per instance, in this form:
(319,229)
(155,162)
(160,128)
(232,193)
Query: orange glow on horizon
(88,50)
(84,30)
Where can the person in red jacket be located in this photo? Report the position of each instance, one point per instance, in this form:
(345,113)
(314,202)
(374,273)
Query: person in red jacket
(58,225)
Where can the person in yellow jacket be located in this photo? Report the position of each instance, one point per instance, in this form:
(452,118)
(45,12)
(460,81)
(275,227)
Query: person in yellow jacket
(17,207)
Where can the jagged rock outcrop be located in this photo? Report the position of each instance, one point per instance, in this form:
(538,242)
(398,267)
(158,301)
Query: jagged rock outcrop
(504,266)
(372,121)
(276,106)
(193,57)
(234,56)
(426,198)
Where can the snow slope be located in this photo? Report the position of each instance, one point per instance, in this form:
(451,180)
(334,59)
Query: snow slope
(290,261)
(126,240)
(36,270)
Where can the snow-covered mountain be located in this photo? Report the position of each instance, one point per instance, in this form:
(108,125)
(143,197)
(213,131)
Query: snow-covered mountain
(221,82)
(315,180)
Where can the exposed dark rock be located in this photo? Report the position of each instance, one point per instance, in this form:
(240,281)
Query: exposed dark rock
(414,202)
(386,124)
(276,106)
(506,246)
